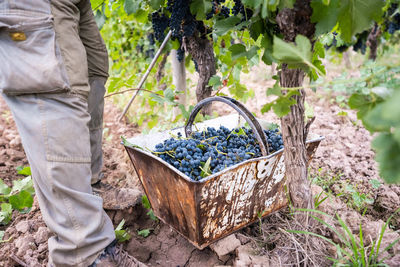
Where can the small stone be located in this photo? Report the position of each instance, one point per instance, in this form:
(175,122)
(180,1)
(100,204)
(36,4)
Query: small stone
(16,142)
(41,235)
(246,256)
(243,239)
(23,226)
(225,245)
(24,243)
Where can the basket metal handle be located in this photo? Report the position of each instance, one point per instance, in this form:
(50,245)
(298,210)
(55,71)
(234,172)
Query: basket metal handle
(243,111)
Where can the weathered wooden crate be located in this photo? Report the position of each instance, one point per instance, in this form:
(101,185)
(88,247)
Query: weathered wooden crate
(220,204)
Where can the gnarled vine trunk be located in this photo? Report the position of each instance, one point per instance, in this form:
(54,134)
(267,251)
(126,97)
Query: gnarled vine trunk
(373,41)
(291,23)
(201,50)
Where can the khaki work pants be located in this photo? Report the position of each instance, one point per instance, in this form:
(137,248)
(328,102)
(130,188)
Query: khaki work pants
(59,115)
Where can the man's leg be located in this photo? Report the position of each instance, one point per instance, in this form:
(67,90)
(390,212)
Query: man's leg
(95,108)
(97,60)
(56,141)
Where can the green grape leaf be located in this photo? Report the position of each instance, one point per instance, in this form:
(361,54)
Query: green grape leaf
(388,156)
(286,4)
(169,95)
(324,15)
(131,6)
(266,43)
(355,16)
(206,170)
(200,8)
(391,108)
(144,232)
(96,3)
(223,26)
(4,189)
(267,107)
(156,4)
(282,106)
(24,170)
(146,202)
(238,50)
(100,19)
(23,184)
(256,29)
(215,81)
(296,56)
(275,90)
(374,121)
(375,183)
(362,103)
(252,3)
(21,201)
(5,213)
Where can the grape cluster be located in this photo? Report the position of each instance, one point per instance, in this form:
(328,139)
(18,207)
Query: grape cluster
(160,22)
(180,54)
(361,44)
(179,10)
(217,9)
(222,148)
(393,22)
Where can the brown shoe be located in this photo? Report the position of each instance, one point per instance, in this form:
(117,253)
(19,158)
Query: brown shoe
(117,198)
(115,256)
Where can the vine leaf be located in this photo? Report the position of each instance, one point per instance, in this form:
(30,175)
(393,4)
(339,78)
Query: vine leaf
(282,106)
(296,56)
(21,201)
(200,8)
(100,19)
(215,81)
(206,170)
(225,25)
(131,6)
(4,189)
(5,213)
(324,15)
(356,16)
(156,4)
(388,155)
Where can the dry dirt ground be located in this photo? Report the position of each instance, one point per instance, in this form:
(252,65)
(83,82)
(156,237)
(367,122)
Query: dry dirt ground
(344,158)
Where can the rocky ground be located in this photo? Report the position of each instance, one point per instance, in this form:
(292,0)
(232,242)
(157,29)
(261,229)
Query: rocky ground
(344,158)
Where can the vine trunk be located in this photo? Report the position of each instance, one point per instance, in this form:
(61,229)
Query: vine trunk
(201,50)
(294,131)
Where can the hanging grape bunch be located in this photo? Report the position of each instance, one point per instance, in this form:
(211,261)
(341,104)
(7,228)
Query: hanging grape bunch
(392,22)
(211,151)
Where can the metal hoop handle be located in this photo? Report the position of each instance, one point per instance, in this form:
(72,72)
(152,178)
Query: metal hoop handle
(239,107)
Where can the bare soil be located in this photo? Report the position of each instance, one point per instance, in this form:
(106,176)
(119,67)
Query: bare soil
(343,158)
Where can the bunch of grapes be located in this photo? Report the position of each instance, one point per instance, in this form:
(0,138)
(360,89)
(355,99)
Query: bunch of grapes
(393,18)
(180,54)
(160,22)
(221,148)
(361,44)
(217,9)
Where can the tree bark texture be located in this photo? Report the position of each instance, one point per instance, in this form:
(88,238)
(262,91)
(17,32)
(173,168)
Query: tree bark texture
(373,41)
(291,23)
(201,50)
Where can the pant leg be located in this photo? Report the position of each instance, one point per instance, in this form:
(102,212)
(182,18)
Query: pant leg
(55,136)
(96,108)
(97,59)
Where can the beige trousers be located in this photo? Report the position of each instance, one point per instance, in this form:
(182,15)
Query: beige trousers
(60,125)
